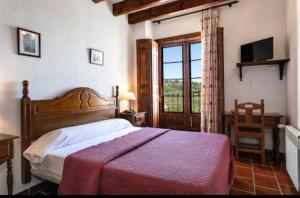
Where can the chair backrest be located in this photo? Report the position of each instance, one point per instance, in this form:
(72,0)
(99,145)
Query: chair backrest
(250,114)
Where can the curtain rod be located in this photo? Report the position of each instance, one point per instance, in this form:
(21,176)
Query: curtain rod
(218,6)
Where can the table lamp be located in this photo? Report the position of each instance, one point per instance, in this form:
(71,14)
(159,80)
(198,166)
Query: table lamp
(130,96)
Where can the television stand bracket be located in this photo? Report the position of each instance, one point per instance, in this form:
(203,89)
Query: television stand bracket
(281,63)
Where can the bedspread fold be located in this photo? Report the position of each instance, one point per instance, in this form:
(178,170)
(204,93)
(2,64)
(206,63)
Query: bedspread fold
(82,170)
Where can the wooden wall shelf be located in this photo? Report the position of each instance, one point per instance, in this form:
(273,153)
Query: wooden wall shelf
(281,63)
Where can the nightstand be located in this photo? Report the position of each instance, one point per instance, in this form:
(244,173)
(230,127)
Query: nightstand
(137,119)
(6,155)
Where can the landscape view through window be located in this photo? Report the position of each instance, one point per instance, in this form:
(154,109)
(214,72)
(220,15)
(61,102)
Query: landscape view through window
(173,78)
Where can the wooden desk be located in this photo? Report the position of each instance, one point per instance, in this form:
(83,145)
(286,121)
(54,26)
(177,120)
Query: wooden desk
(272,120)
(6,155)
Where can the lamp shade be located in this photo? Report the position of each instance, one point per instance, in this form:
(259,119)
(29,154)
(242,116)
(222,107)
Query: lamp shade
(128,96)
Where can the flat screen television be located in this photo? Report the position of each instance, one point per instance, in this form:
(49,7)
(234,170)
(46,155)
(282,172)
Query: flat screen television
(257,51)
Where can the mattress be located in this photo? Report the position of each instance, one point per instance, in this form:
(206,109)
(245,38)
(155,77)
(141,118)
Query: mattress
(52,167)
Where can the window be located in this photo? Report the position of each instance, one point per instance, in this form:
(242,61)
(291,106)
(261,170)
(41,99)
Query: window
(181,72)
(195,76)
(173,79)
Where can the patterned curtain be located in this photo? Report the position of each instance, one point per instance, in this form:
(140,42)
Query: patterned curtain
(212,92)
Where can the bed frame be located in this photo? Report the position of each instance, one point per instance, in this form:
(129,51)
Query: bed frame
(78,106)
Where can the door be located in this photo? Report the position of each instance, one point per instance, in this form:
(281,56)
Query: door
(194,92)
(180,84)
(144,79)
(172,108)
(147,80)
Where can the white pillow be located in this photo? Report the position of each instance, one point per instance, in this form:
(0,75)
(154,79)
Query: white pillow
(59,138)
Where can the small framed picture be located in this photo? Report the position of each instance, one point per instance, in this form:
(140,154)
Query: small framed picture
(96,57)
(29,43)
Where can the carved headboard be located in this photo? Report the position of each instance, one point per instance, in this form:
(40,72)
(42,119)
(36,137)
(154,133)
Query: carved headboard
(78,106)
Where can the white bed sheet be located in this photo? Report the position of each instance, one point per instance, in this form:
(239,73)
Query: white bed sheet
(52,167)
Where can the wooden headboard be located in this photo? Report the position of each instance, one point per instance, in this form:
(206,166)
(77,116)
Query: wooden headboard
(78,106)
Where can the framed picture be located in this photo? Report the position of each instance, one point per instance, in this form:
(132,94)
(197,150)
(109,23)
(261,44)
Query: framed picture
(96,57)
(29,43)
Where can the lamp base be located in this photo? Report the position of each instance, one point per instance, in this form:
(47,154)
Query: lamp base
(130,107)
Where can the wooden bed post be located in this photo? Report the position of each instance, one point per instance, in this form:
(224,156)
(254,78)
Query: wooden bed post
(25,131)
(117,102)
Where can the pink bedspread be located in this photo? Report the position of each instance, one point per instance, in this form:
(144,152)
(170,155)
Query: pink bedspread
(151,161)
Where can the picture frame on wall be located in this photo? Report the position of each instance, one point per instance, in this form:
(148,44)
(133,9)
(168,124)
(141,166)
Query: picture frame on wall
(96,57)
(29,43)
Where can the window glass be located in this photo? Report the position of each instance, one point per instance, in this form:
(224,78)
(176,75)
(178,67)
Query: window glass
(196,76)
(173,79)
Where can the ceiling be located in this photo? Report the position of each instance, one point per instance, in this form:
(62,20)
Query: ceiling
(144,10)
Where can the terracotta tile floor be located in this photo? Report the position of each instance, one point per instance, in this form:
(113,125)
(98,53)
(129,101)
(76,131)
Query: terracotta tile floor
(252,178)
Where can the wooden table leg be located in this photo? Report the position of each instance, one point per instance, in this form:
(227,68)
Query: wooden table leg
(227,127)
(9,177)
(276,145)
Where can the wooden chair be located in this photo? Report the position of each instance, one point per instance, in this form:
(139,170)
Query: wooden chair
(248,127)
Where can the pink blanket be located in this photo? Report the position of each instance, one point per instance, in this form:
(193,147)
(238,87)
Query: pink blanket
(151,161)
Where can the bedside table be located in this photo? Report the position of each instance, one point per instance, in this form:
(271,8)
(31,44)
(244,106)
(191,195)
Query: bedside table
(136,119)
(6,155)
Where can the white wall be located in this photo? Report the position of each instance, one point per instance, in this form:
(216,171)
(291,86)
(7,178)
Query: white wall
(298,59)
(68,29)
(292,70)
(247,21)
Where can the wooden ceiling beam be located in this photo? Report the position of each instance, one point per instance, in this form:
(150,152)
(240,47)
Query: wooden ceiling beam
(97,1)
(129,6)
(165,9)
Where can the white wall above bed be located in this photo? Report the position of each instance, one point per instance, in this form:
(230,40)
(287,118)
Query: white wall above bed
(68,29)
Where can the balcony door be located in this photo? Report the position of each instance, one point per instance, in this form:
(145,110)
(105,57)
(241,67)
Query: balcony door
(180,82)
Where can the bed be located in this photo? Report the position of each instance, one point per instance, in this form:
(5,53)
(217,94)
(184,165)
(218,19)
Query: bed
(93,152)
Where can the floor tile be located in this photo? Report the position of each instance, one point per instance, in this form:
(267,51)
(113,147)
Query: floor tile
(289,190)
(245,184)
(263,170)
(40,187)
(284,178)
(279,168)
(243,155)
(25,192)
(238,192)
(266,191)
(243,172)
(243,163)
(266,181)
(256,160)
